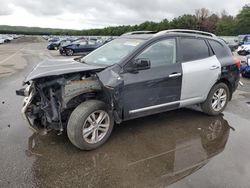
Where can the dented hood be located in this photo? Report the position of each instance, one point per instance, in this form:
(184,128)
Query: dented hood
(59,67)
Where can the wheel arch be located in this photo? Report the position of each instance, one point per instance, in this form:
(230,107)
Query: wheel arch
(77,100)
(98,96)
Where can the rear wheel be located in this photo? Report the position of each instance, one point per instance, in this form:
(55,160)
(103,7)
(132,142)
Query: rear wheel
(217,99)
(90,125)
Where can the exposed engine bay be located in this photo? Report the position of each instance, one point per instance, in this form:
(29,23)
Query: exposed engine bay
(50,100)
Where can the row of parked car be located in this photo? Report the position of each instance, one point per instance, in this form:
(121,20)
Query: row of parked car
(240,44)
(8,38)
(244,45)
(71,45)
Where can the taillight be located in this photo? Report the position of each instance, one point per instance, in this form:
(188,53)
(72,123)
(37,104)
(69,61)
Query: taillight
(237,62)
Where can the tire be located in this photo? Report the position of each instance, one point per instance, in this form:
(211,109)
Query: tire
(79,121)
(69,52)
(208,107)
(62,53)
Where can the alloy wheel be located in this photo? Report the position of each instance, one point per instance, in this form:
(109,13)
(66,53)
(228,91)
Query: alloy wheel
(69,52)
(219,99)
(96,127)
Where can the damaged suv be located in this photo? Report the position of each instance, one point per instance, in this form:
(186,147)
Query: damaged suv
(135,75)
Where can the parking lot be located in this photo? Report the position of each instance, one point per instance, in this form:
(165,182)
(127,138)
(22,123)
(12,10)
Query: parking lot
(181,148)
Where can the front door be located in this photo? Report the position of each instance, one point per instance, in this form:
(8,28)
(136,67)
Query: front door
(156,89)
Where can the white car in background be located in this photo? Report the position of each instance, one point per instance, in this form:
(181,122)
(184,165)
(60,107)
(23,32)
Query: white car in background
(244,49)
(1,41)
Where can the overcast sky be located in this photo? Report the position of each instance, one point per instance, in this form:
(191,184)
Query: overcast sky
(85,14)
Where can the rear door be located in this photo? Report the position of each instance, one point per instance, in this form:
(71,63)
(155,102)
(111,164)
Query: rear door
(200,67)
(82,46)
(90,46)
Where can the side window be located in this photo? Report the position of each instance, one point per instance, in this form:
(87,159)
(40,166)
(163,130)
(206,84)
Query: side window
(91,42)
(193,49)
(83,43)
(160,53)
(218,49)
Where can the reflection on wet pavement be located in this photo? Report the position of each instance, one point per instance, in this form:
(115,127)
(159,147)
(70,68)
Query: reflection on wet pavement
(149,152)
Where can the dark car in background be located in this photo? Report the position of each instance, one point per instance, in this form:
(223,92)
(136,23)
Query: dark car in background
(53,39)
(56,44)
(80,46)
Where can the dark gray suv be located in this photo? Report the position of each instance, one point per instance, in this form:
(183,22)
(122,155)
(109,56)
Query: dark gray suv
(135,75)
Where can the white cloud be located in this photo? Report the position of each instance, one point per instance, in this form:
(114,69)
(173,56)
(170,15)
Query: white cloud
(86,14)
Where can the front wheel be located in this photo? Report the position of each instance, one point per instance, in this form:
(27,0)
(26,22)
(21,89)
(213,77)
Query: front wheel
(217,99)
(69,52)
(90,125)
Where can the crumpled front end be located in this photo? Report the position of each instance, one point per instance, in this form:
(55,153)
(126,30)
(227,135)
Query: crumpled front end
(49,102)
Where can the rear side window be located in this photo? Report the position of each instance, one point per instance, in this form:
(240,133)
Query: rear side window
(218,49)
(193,49)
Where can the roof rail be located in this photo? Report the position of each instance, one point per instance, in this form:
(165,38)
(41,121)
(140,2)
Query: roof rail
(139,32)
(186,31)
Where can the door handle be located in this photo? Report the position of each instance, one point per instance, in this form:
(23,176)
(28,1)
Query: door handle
(174,75)
(213,67)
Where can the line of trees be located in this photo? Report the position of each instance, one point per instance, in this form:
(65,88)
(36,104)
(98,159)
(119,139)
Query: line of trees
(202,19)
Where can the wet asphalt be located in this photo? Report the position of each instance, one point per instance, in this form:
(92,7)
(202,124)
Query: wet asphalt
(181,148)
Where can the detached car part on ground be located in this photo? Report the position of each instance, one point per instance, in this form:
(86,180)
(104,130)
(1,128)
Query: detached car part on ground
(133,76)
(79,46)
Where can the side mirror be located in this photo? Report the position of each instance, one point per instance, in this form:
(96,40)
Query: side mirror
(140,64)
